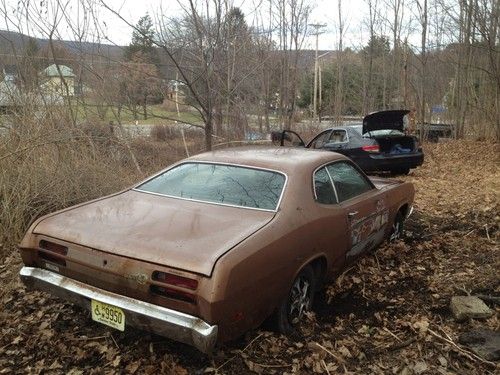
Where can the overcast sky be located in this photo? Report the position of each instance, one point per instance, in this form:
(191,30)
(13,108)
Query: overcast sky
(324,12)
(118,32)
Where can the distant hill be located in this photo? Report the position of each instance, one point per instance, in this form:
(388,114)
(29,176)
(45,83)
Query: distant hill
(14,43)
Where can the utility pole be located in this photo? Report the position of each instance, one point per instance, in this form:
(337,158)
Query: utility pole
(320,87)
(317,31)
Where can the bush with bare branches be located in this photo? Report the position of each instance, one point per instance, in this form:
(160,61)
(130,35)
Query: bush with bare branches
(48,163)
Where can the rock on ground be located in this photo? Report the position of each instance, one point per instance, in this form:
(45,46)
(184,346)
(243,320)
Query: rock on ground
(465,307)
(484,342)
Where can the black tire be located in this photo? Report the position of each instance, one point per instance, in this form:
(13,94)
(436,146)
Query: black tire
(400,171)
(397,230)
(290,312)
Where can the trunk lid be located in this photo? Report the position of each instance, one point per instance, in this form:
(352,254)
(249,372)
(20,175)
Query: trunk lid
(385,120)
(173,232)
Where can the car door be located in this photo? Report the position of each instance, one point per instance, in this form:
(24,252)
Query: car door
(328,230)
(364,206)
(320,140)
(287,138)
(338,141)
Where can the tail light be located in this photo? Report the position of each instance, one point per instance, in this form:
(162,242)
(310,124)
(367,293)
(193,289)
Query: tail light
(53,252)
(173,293)
(171,279)
(371,148)
(177,281)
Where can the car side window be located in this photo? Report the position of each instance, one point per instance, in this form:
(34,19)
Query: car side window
(320,140)
(323,187)
(349,182)
(338,136)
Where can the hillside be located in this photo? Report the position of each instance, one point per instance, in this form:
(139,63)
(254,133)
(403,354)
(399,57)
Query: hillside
(13,43)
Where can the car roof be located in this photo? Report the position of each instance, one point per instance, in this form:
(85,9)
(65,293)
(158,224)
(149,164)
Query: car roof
(344,127)
(284,159)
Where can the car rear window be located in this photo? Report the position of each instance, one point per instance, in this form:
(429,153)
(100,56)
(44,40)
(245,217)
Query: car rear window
(384,132)
(376,133)
(220,183)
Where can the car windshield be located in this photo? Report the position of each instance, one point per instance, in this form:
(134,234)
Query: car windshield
(220,183)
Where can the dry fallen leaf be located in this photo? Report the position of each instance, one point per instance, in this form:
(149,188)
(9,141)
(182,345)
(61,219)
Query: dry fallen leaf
(404,287)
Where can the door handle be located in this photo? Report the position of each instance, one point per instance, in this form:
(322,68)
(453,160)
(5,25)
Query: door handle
(351,214)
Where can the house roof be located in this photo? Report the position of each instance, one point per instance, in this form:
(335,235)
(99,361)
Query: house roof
(51,71)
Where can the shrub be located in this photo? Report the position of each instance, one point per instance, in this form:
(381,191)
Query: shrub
(47,162)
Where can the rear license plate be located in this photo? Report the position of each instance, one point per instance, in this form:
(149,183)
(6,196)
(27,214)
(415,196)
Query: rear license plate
(108,314)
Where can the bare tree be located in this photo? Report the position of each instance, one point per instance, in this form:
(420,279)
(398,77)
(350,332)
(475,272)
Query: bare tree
(396,7)
(372,25)
(291,20)
(339,97)
(423,19)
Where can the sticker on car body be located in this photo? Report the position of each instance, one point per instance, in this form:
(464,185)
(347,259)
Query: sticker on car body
(368,231)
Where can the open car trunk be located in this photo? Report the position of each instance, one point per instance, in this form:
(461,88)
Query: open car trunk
(395,145)
(387,128)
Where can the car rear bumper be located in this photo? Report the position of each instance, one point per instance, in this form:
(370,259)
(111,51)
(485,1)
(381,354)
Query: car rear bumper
(382,162)
(146,316)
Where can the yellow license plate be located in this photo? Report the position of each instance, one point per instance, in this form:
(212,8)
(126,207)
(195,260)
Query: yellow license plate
(108,314)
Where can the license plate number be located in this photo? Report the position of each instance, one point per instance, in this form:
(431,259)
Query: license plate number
(108,314)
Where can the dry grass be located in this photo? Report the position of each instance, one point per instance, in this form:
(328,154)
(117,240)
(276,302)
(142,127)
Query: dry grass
(48,163)
(387,314)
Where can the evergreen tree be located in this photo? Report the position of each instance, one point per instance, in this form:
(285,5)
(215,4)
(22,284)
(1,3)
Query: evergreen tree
(142,42)
(236,23)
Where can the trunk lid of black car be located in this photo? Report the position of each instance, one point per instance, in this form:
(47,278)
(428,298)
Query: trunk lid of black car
(385,120)
(387,129)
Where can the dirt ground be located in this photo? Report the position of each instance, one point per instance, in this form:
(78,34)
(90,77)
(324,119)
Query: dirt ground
(388,314)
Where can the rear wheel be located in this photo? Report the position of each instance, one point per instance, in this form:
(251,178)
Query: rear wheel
(291,311)
(397,228)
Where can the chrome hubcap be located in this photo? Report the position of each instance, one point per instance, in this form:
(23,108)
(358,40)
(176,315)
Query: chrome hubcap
(300,300)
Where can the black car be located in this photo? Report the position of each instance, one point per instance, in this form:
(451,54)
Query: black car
(378,144)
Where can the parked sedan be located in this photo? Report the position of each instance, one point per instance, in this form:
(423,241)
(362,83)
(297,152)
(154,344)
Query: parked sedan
(378,144)
(213,245)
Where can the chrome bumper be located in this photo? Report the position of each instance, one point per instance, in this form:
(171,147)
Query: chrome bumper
(146,316)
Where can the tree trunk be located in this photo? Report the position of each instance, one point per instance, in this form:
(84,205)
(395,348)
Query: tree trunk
(423,74)
(340,70)
(208,133)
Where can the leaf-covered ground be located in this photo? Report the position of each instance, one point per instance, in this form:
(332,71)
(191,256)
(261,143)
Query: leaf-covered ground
(388,314)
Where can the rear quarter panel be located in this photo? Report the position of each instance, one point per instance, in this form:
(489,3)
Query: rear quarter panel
(253,278)
(400,196)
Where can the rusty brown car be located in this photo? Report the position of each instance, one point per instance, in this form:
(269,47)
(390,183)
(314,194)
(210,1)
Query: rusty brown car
(215,244)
